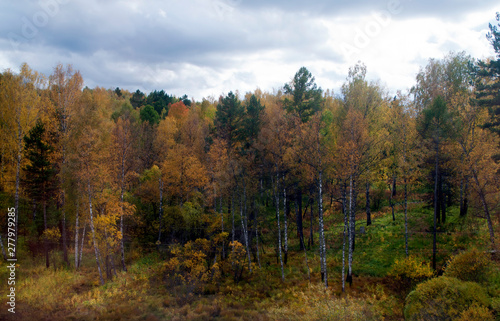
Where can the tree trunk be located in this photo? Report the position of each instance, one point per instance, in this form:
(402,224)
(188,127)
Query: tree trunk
(76,235)
(222,226)
(160,215)
(96,248)
(394,186)
(464,190)
(243,217)
(286,212)
(406,216)
(391,202)
(279,226)
(64,240)
(63,202)
(345,232)
(368,211)
(81,247)
(311,235)
(351,231)
(321,228)
(232,222)
(3,248)
(434,239)
(18,179)
(482,196)
(45,241)
(442,201)
(256,236)
(122,242)
(298,214)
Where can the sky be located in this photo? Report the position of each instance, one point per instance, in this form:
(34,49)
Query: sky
(206,48)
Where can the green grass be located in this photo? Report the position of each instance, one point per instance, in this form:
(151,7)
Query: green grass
(142,293)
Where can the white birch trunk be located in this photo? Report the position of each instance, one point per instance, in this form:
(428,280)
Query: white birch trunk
(279,226)
(344,234)
(81,246)
(243,214)
(321,228)
(96,248)
(285,219)
(76,235)
(351,223)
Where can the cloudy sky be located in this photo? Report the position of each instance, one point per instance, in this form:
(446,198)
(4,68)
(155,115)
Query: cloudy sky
(209,47)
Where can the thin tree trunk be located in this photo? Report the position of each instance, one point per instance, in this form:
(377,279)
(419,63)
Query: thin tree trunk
(160,216)
(232,221)
(434,238)
(3,249)
(391,202)
(311,235)
(64,240)
(222,226)
(285,212)
(45,241)
(464,184)
(16,195)
(482,196)
(442,201)
(279,226)
(321,228)
(300,229)
(345,232)
(122,242)
(76,234)
(353,213)
(406,216)
(368,210)
(351,234)
(96,248)
(243,214)
(256,236)
(81,246)
(63,202)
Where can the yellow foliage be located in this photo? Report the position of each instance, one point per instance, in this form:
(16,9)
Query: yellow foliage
(410,271)
(472,265)
(476,313)
(189,264)
(52,234)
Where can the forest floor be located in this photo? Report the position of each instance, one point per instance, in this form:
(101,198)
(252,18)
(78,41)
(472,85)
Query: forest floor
(142,293)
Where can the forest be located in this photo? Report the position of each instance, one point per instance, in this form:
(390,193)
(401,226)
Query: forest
(295,204)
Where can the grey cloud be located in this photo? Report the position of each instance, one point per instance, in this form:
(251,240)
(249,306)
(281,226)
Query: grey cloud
(188,46)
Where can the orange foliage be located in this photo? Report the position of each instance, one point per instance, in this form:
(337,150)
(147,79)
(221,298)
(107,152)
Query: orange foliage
(178,111)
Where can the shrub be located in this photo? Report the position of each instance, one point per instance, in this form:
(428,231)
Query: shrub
(473,266)
(189,266)
(237,258)
(443,298)
(408,272)
(476,313)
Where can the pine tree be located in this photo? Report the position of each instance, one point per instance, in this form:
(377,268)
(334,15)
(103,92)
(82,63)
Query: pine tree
(40,173)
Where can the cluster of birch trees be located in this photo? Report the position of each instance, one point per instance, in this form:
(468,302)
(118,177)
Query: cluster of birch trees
(155,169)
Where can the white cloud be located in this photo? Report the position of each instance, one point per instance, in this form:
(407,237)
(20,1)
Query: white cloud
(210,47)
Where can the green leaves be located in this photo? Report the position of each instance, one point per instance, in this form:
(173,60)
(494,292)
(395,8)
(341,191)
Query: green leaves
(306,96)
(228,119)
(436,121)
(149,114)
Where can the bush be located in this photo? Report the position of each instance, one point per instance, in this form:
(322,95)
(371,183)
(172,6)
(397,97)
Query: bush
(476,313)
(443,298)
(473,266)
(408,272)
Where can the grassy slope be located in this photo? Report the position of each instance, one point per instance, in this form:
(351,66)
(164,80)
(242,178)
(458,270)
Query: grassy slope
(141,293)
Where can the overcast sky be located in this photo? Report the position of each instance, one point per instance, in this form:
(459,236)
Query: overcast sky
(209,47)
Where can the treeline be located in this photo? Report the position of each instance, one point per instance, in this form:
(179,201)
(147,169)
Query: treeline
(158,169)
